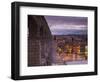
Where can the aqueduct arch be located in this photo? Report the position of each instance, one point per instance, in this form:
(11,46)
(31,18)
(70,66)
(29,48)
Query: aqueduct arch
(39,42)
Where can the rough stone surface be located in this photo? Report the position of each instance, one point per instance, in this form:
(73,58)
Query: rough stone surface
(39,42)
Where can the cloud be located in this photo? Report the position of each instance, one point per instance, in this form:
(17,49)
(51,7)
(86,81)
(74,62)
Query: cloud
(67,25)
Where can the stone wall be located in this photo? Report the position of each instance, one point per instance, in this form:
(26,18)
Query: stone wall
(39,42)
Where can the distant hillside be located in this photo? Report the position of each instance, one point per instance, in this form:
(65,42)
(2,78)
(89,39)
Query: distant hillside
(69,32)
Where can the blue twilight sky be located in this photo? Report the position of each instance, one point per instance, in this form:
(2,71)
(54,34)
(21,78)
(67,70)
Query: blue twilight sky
(66,25)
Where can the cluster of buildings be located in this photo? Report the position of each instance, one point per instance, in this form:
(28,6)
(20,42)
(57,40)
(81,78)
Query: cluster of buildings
(71,47)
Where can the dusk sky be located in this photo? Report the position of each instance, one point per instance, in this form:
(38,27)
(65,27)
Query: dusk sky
(65,25)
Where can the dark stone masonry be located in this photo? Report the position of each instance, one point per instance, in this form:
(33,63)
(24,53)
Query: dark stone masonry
(39,42)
